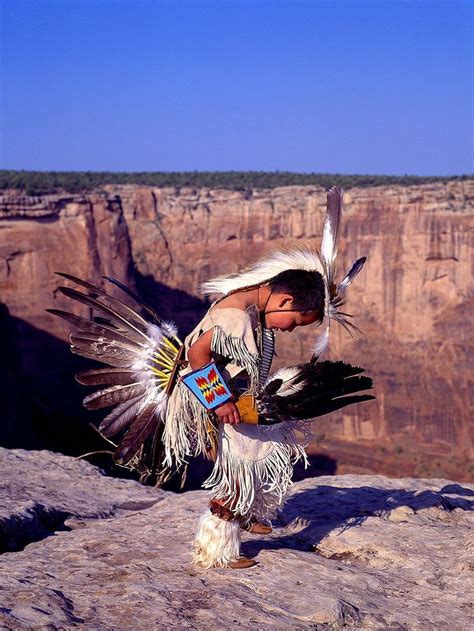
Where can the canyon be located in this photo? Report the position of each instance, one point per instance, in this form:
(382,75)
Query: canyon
(412,301)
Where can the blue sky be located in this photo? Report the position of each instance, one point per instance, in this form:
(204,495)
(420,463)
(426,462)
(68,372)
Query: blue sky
(343,86)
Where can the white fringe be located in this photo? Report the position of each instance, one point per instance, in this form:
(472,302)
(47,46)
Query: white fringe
(186,417)
(234,348)
(258,487)
(217,541)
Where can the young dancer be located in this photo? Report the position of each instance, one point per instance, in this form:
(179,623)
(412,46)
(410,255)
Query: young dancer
(173,400)
(253,463)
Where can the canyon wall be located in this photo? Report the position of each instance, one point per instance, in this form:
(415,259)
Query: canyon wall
(412,300)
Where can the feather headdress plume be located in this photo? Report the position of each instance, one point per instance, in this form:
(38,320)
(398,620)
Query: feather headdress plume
(265,269)
(303,258)
(334,293)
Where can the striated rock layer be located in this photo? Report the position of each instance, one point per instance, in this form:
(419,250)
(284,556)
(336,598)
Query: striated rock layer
(354,552)
(412,301)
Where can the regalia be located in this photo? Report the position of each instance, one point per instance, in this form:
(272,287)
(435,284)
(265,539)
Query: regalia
(162,410)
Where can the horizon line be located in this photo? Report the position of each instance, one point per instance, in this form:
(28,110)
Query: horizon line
(226,171)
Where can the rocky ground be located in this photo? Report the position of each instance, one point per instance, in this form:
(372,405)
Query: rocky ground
(353,552)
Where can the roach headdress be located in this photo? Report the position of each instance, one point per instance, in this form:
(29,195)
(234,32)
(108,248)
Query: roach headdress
(303,258)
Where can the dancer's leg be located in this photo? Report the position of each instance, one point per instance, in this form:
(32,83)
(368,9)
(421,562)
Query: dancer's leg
(217,541)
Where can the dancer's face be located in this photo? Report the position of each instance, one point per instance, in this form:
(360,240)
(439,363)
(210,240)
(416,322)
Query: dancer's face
(281,315)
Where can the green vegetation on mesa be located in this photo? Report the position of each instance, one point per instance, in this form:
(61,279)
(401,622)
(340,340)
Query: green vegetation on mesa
(44,182)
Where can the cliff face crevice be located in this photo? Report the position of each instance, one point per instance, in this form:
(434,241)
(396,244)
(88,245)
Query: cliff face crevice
(412,301)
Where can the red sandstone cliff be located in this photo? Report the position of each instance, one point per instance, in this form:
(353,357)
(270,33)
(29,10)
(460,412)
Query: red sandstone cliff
(412,300)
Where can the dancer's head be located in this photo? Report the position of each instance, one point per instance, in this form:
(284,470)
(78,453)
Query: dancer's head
(296,299)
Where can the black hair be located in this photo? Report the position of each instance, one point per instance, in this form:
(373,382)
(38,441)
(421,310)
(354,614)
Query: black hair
(306,289)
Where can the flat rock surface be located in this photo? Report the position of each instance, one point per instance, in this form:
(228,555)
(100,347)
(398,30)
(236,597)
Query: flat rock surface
(40,489)
(352,551)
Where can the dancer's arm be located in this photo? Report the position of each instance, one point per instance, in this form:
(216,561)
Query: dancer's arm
(199,354)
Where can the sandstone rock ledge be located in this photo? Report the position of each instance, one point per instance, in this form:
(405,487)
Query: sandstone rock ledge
(353,552)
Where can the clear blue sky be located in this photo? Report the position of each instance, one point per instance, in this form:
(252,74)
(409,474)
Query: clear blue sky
(347,86)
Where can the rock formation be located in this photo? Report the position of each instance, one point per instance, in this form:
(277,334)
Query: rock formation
(412,301)
(354,552)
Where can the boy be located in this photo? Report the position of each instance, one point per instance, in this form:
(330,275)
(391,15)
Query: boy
(253,464)
(161,420)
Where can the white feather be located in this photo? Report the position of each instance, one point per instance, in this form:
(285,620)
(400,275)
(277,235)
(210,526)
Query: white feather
(303,258)
(160,398)
(265,269)
(286,374)
(155,333)
(322,343)
(330,239)
(169,329)
(351,274)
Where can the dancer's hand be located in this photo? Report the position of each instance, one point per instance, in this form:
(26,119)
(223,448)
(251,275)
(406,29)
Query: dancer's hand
(228,413)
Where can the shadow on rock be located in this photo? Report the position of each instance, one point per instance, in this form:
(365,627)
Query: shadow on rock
(341,508)
(200,468)
(319,464)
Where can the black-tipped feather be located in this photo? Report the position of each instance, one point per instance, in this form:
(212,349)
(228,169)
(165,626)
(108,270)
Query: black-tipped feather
(322,388)
(351,274)
(84,325)
(135,297)
(127,312)
(135,332)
